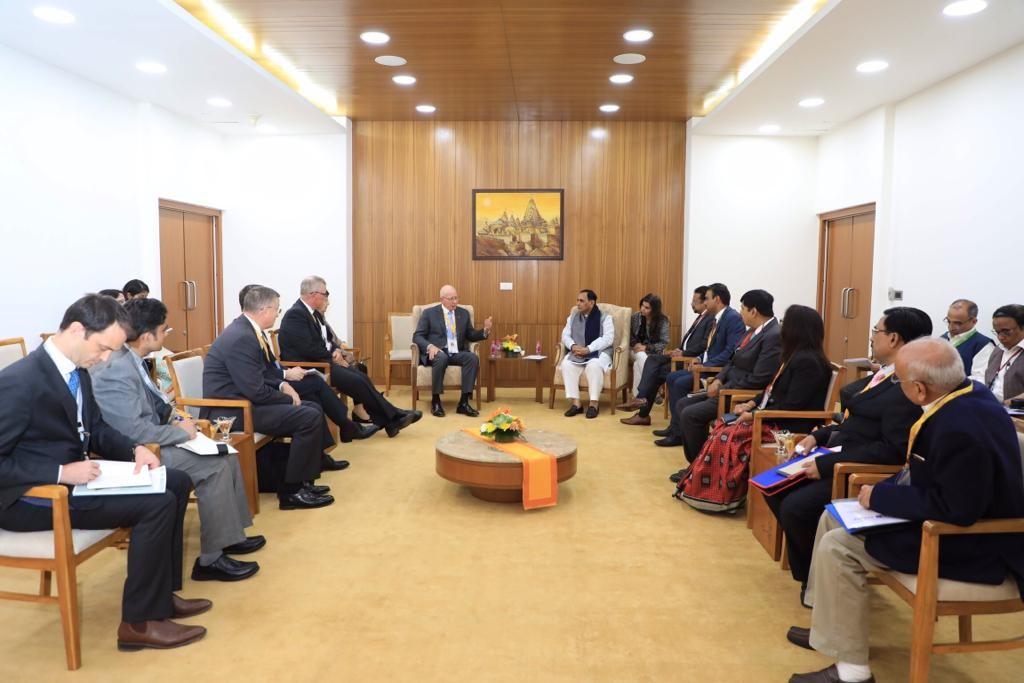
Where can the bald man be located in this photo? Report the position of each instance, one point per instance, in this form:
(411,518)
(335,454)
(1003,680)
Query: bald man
(963,465)
(443,335)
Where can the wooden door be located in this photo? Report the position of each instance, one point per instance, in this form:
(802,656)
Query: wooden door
(200,276)
(173,286)
(845,281)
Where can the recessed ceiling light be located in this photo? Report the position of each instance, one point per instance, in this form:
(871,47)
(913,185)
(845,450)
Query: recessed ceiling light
(810,102)
(620,79)
(426,108)
(54,15)
(609,108)
(872,66)
(390,60)
(404,80)
(769,128)
(151,67)
(598,133)
(638,35)
(374,37)
(964,8)
(629,58)
(221,102)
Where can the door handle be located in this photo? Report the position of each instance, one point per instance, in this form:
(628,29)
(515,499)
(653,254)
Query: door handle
(845,306)
(186,296)
(851,311)
(193,296)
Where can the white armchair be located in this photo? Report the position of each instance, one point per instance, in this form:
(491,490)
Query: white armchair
(421,376)
(616,379)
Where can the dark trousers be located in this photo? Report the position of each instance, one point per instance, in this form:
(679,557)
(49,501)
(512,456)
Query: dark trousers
(154,554)
(678,383)
(695,415)
(798,510)
(656,370)
(305,425)
(361,390)
(469,362)
(313,388)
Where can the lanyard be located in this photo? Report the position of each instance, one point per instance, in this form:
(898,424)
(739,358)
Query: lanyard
(931,411)
(768,389)
(1008,363)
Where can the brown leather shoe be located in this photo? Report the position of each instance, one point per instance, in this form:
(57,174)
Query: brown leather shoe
(637,419)
(160,635)
(632,404)
(829,675)
(185,608)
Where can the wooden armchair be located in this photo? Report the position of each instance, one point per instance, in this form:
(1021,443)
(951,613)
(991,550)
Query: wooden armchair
(421,376)
(931,597)
(702,372)
(11,350)
(616,379)
(680,363)
(398,346)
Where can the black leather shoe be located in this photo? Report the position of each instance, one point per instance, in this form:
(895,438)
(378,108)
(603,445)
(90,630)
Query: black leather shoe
(304,500)
(360,421)
(677,477)
(801,637)
(397,425)
(224,568)
(416,414)
(573,411)
(591,412)
(437,410)
(316,489)
(662,432)
(329,464)
(803,596)
(249,545)
(465,409)
(669,441)
(360,432)
(829,675)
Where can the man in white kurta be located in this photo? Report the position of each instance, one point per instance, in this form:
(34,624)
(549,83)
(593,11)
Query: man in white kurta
(588,337)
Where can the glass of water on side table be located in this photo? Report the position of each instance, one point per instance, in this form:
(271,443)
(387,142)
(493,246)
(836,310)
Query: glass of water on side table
(783,443)
(223,425)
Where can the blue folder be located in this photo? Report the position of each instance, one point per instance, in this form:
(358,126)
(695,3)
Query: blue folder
(771,481)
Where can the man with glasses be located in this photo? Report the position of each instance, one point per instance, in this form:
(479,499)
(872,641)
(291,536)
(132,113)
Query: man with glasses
(875,428)
(1005,372)
(962,331)
(588,337)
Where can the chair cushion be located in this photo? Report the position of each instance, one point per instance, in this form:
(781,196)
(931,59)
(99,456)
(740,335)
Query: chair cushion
(39,544)
(962,591)
(452,376)
(401,354)
(10,353)
(190,376)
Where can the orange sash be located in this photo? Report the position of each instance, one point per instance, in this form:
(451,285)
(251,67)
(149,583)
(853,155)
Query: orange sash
(540,470)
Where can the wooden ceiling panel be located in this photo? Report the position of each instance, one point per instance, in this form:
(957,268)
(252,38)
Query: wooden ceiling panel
(510,59)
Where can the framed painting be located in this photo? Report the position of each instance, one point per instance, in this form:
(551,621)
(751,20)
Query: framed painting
(513,225)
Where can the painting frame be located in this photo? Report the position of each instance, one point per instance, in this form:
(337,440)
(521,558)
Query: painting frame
(487,247)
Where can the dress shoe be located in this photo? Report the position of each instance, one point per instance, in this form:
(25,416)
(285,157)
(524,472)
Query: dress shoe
(829,675)
(465,409)
(677,477)
(416,414)
(667,431)
(573,410)
(632,404)
(799,636)
(591,412)
(224,568)
(304,500)
(637,419)
(249,545)
(161,635)
(437,410)
(315,489)
(360,432)
(803,596)
(669,441)
(329,464)
(398,424)
(360,421)
(185,608)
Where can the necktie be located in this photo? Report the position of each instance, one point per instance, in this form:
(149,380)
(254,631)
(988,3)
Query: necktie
(451,324)
(711,337)
(693,326)
(263,344)
(746,339)
(73,384)
(879,377)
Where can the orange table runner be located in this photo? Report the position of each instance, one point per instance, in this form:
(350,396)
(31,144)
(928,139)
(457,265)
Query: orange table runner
(540,470)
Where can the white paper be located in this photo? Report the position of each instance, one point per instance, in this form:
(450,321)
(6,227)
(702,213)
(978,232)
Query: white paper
(534,357)
(790,470)
(854,517)
(204,445)
(117,473)
(158,484)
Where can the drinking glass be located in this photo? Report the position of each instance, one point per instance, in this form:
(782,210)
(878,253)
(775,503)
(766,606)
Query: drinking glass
(223,425)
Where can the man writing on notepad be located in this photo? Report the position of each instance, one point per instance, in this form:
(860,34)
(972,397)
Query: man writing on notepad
(49,424)
(963,465)
(133,405)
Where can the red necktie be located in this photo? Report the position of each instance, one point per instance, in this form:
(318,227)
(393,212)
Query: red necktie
(746,339)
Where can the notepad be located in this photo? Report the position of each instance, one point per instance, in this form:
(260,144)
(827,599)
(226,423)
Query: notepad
(117,473)
(204,445)
(855,518)
(534,356)
(157,484)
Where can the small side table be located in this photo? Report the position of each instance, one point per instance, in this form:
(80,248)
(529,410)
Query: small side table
(760,518)
(246,448)
(492,372)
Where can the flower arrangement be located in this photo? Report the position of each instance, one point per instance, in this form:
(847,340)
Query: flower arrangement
(510,345)
(503,426)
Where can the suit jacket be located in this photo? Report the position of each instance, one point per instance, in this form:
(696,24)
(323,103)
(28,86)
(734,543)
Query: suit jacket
(300,338)
(129,405)
(802,385)
(658,337)
(1013,380)
(728,333)
(39,427)
(876,430)
(966,467)
(431,329)
(237,367)
(754,365)
(697,342)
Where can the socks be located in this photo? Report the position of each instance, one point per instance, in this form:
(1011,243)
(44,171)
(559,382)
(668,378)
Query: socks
(466,397)
(851,673)
(206,559)
(436,398)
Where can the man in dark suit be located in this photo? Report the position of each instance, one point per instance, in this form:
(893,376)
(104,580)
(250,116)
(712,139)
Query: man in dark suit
(657,367)
(874,430)
(48,426)
(752,366)
(443,335)
(306,336)
(963,464)
(240,364)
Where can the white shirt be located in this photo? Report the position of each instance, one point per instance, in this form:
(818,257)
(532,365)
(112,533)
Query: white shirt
(323,328)
(603,342)
(718,319)
(1004,365)
(761,327)
(65,367)
(979,364)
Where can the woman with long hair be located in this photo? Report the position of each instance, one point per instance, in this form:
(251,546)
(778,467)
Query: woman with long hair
(648,334)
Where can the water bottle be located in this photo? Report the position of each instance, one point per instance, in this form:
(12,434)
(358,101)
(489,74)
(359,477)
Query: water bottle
(494,349)
(538,347)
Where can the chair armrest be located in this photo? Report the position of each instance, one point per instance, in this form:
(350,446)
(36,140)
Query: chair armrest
(414,356)
(987,526)
(857,481)
(727,398)
(355,351)
(699,370)
(48,491)
(842,471)
(242,403)
(800,414)
(685,361)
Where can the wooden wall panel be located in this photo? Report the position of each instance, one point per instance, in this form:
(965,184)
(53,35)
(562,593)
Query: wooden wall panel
(412,214)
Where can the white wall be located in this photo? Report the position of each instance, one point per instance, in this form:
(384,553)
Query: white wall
(750,219)
(82,168)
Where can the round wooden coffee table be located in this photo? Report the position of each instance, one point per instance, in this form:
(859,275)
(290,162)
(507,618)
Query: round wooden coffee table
(493,475)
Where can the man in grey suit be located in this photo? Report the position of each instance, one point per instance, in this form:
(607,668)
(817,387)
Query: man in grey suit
(443,336)
(133,405)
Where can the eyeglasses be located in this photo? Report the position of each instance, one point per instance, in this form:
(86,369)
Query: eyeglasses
(875,330)
(169,330)
(1005,332)
(324,293)
(957,323)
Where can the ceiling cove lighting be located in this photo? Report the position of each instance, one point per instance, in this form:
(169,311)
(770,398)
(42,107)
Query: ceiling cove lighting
(404,80)
(609,108)
(374,37)
(390,60)
(426,108)
(54,15)
(230,27)
(148,67)
(620,79)
(598,133)
(629,58)
(220,102)
(782,31)
(769,129)
(872,66)
(811,102)
(964,8)
(312,91)
(638,35)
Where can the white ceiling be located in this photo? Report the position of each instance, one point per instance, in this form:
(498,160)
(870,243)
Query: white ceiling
(921,44)
(110,36)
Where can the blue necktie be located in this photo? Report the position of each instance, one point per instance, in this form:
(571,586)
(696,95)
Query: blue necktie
(73,384)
